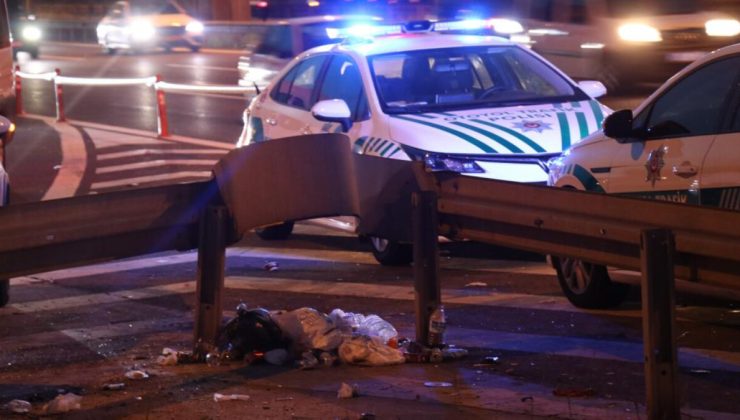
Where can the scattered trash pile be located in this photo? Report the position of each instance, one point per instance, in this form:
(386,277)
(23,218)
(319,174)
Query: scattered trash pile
(309,338)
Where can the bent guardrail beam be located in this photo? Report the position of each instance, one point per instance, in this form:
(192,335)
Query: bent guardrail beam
(701,244)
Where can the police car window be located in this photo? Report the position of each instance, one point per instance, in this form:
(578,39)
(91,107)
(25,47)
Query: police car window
(297,87)
(466,77)
(695,105)
(343,81)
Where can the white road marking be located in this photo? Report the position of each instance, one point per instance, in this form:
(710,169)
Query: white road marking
(202,67)
(172,177)
(74,160)
(155,164)
(102,155)
(62,57)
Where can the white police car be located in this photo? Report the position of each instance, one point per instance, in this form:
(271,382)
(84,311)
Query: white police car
(681,145)
(478,105)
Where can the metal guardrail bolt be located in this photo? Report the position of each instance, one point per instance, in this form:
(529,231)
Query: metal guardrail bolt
(602,231)
(539,222)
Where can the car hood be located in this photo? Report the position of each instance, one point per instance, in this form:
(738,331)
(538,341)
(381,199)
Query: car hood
(517,130)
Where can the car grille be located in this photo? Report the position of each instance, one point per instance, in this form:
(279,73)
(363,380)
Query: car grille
(171,31)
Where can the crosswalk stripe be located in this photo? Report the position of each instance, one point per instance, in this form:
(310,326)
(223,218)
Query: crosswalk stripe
(155,164)
(102,155)
(172,177)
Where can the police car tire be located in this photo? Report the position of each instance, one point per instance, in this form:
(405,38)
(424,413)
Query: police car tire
(392,253)
(4,292)
(275,232)
(599,292)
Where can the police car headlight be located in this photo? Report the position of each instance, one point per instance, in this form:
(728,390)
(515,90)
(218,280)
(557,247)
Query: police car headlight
(554,169)
(31,33)
(437,163)
(639,32)
(722,27)
(194,27)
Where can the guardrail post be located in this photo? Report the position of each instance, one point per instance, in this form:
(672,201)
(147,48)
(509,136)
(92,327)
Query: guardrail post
(18,91)
(658,324)
(426,260)
(59,97)
(211,258)
(163,127)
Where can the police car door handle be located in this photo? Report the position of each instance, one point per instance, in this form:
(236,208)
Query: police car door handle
(270,121)
(685,170)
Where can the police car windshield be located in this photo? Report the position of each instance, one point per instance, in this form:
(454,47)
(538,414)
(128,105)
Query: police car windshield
(466,77)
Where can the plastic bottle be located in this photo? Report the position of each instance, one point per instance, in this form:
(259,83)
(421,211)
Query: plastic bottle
(376,326)
(437,326)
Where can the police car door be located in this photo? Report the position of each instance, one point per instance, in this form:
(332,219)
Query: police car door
(343,80)
(721,176)
(289,114)
(680,126)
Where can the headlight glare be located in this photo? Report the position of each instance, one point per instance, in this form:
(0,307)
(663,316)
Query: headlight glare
(31,33)
(639,32)
(722,27)
(194,27)
(506,26)
(141,30)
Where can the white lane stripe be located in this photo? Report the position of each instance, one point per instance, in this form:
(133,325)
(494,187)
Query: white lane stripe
(234,96)
(118,131)
(61,57)
(102,155)
(202,67)
(74,160)
(155,164)
(173,177)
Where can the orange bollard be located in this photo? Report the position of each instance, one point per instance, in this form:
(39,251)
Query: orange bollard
(59,97)
(163,128)
(18,91)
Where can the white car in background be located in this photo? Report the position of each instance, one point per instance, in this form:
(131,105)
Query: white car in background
(477,105)
(145,24)
(623,42)
(679,145)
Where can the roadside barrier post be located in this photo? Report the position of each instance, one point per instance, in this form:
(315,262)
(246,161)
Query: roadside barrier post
(426,260)
(18,91)
(657,250)
(209,290)
(59,97)
(163,127)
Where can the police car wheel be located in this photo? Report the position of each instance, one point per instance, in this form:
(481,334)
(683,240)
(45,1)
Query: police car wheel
(4,292)
(388,252)
(276,232)
(588,285)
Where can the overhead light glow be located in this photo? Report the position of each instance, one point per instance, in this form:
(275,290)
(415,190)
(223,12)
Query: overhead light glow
(722,27)
(639,32)
(506,26)
(313,3)
(141,30)
(194,27)
(31,33)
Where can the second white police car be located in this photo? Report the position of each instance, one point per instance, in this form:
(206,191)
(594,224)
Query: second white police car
(478,105)
(680,145)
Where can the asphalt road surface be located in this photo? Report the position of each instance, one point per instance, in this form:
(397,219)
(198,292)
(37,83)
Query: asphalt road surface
(76,330)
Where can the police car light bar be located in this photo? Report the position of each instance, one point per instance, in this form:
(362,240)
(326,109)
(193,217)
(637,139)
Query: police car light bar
(363,30)
(366,30)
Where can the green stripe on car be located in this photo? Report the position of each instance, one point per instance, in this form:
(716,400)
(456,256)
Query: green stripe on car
(582,124)
(470,139)
(589,182)
(529,142)
(385,150)
(498,139)
(598,114)
(564,129)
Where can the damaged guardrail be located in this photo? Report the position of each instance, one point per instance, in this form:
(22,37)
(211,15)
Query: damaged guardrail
(700,245)
(155,82)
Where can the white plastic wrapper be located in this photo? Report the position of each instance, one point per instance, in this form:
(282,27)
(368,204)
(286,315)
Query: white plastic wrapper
(308,329)
(369,351)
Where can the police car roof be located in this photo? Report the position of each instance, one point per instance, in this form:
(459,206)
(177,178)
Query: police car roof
(307,20)
(412,42)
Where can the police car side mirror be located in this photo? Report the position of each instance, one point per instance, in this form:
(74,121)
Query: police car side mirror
(619,126)
(333,110)
(592,88)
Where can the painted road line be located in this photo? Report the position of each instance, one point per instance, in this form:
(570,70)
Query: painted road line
(202,67)
(96,130)
(233,96)
(74,160)
(143,180)
(156,164)
(102,155)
